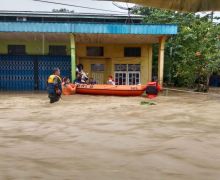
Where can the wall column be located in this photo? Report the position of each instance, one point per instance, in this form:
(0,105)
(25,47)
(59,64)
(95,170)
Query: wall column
(150,57)
(73,56)
(161,59)
(43,44)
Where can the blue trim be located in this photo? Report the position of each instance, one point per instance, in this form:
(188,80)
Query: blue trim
(90,28)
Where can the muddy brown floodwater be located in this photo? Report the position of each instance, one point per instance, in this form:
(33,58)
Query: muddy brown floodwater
(109,138)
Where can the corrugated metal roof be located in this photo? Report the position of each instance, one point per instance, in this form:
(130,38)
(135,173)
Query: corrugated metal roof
(68,15)
(91,28)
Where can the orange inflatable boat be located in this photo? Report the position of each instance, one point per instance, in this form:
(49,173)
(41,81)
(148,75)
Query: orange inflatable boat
(114,90)
(69,89)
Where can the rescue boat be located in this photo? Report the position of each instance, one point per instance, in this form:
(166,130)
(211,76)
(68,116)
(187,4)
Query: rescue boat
(113,90)
(69,89)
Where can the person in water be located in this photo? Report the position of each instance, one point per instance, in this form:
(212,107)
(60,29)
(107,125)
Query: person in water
(110,81)
(54,86)
(67,87)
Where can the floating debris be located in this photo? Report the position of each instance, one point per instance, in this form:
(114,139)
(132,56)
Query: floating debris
(147,103)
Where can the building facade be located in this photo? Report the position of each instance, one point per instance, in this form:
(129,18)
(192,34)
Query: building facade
(33,43)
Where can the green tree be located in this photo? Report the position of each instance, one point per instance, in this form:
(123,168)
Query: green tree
(193,53)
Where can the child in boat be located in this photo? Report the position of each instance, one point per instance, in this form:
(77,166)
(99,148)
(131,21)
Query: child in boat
(68,88)
(110,81)
(91,81)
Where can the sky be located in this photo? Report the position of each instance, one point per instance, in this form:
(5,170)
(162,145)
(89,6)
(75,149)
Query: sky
(30,5)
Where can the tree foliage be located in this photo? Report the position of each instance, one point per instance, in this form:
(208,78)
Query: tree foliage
(194,52)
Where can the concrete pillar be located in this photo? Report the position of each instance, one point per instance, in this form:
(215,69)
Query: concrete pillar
(73,56)
(43,44)
(161,59)
(150,57)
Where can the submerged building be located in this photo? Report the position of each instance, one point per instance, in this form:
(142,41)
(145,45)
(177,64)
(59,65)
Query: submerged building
(33,43)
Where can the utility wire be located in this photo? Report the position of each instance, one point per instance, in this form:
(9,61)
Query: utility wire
(84,7)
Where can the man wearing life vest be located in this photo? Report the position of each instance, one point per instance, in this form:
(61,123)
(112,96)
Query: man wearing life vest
(54,86)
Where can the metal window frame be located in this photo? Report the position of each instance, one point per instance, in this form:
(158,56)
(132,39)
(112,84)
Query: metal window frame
(127,74)
(134,72)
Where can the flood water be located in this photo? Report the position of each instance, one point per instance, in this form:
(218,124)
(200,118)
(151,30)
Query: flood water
(109,138)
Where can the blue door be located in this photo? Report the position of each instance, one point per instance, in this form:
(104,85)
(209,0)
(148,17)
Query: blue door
(27,73)
(47,63)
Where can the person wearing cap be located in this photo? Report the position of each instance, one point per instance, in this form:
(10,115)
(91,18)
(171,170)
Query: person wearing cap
(54,86)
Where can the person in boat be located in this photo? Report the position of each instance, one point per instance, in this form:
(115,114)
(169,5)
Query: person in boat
(110,81)
(84,77)
(152,90)
(54,86)
(79,68)
(81,78)
(78,79)
(67,87)
(91,81)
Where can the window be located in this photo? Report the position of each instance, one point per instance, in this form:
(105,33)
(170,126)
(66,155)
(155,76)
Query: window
(120,78)
(57,50)
(97,67)
(120,67)
(98,73)
(134,67)
(16,49)
(127,74)
(95,51)
(133,78)
(132,52)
